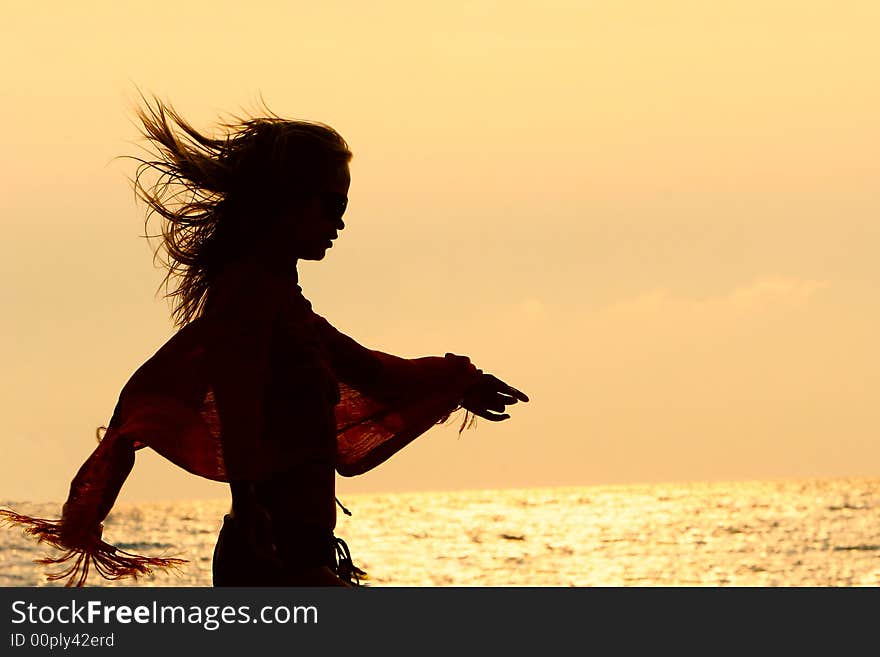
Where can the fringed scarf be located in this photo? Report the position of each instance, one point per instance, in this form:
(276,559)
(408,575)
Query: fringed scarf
(168,404)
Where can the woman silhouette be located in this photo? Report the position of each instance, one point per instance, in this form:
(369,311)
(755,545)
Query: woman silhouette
(256,389)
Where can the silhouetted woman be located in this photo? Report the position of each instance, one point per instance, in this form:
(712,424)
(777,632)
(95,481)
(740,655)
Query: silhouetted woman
(256,389)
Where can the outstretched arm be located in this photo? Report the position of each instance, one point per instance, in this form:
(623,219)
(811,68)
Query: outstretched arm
(485,396)
(388,401)
(381,375)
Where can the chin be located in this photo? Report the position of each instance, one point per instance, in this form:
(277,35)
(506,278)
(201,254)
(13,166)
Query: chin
(318,254)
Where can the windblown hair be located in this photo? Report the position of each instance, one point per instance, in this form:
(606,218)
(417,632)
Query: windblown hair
(216,197)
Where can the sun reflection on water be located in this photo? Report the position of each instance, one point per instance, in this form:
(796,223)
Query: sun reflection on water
(780,533)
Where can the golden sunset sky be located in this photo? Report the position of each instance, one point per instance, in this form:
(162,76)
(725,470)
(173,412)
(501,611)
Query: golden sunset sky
(661,220)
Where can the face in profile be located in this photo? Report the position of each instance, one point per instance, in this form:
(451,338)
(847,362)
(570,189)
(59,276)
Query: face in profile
(318,222)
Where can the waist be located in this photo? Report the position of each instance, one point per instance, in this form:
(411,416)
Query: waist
(299,547)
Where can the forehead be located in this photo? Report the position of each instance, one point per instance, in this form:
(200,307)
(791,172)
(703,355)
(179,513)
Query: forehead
(339,179)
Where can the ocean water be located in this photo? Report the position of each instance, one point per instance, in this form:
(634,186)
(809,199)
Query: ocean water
(776,533)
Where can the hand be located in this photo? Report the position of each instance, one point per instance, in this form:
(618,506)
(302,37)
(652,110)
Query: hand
(487,397)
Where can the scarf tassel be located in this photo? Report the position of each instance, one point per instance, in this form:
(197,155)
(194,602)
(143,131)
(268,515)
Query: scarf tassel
(109,561)
(345,568)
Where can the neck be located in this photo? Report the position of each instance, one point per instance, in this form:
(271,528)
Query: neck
(285,268)
(277,266)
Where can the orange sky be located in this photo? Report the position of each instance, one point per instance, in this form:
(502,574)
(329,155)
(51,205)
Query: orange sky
(660,220)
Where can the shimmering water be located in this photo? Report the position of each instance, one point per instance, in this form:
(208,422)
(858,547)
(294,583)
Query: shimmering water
(780,533)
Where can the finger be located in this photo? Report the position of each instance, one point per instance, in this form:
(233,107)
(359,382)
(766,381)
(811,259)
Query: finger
(507,389)
(510,393)
(492,417)
(492,401)
(495,381)
(498,401)
(521,396)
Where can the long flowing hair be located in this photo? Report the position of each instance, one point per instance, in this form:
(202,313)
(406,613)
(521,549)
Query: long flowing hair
(216,197)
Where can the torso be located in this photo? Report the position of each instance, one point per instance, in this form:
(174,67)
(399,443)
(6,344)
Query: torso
(299,425)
